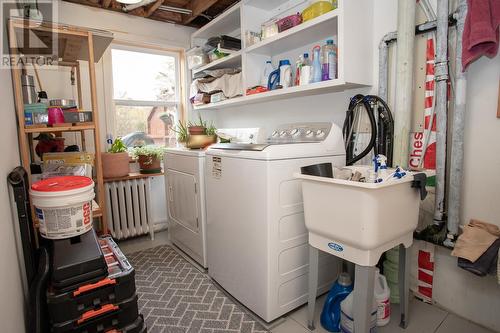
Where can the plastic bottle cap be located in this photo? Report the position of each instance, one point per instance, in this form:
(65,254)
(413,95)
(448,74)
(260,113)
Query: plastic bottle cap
(329,42)
(284,62)
(344,279)
(268,61)
(306,55)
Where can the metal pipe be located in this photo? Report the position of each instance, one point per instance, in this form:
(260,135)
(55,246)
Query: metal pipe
(176,10)
(441,77)
(383,64)
(404,80)
(457,140)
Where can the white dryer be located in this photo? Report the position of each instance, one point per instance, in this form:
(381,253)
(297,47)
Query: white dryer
(185,187)
(256,237)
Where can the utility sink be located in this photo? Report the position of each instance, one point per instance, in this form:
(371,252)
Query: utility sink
(359,221)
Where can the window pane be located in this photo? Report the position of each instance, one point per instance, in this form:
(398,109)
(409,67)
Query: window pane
(143,76)
(139,125)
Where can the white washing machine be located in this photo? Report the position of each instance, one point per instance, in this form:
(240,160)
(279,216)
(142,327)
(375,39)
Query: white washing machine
(185,187)
(256,237)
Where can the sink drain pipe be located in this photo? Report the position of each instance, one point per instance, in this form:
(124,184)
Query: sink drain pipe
(441,77)
(457,141)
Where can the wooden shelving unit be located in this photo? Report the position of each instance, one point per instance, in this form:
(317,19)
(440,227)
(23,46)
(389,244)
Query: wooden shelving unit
(75,44)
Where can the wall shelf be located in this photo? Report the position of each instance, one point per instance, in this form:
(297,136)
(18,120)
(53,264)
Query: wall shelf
(232,60)
(349,24)
(273,95)
(313,30)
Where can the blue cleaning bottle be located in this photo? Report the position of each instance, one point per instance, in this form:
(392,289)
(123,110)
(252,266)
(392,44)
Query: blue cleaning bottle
(330,316)
(316,64)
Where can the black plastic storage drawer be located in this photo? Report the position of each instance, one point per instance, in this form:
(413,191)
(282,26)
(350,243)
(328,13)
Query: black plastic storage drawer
(109,317)
(72,304)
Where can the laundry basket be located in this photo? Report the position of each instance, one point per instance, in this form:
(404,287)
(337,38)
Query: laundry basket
(359,221)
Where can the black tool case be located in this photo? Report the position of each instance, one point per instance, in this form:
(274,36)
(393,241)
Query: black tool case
(77,261)
(115,288)
(106,318)
(137,327)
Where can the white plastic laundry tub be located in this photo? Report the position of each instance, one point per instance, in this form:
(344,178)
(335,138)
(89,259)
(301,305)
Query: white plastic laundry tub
(359,221)
(63,206)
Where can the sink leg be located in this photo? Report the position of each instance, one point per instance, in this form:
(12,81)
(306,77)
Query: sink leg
(363,298)
(404,287)
(313,285)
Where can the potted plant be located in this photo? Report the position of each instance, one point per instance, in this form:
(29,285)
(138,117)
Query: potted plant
(182,132)
(197,128)
(149,158)
(115,162)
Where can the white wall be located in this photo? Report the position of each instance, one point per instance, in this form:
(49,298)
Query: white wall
(477,299)
(11,293)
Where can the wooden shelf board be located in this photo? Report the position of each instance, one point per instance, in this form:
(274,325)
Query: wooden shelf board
(231,61)
(133,175)
(96,210)
(58,128)
(72,40)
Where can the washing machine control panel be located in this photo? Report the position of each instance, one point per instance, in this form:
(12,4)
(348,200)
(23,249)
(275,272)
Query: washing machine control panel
(300,132)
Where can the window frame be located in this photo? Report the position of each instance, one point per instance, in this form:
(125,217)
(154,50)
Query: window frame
(179,103)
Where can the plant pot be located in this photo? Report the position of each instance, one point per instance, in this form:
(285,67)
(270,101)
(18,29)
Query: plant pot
(196,130)
(115,165)
(200,141)
(149,164)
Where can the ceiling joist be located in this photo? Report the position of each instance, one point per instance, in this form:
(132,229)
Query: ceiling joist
(154,11)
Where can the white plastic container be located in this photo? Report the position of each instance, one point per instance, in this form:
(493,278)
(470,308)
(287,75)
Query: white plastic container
(286,76)
(359,221)
(382,294)
(347,316)
(63,206)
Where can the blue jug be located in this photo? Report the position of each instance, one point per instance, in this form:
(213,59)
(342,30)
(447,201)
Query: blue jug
(330,316)
(274,77)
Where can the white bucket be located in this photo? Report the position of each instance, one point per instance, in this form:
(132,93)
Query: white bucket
(63,206)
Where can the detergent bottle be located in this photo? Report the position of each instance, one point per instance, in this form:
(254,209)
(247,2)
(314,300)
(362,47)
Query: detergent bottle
(316,65)
(305,70)
(347,316)
(274,78)
(330,316)
(382,296)
(268,69)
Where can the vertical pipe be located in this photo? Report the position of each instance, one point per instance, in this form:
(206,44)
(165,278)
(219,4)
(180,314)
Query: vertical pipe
(441,77)
(383,64)
(404,80)
(457,141)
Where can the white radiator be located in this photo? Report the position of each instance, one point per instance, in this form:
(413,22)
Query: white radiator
(128,208)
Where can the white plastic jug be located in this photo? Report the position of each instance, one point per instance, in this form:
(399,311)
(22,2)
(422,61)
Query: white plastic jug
(286,76)
(382,295)
(347,317)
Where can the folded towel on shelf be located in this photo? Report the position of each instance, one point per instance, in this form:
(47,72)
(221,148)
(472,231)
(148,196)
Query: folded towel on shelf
(476,238)
(485,264)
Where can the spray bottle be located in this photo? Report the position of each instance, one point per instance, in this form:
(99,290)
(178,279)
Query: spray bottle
(316,65)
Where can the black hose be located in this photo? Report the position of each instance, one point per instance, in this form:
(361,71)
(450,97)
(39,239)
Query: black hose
(348,124)
(381,140)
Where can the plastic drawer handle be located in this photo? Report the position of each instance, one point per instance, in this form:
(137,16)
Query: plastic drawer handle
(93,313)
(92,286)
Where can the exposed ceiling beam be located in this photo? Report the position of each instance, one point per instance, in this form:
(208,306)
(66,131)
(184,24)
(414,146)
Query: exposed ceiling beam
(106,3)
(197,7)
(153,7)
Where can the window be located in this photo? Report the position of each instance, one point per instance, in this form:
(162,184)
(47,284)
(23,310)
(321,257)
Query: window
(146,96)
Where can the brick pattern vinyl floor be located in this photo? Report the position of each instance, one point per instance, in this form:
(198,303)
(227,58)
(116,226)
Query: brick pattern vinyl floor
(175,297)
